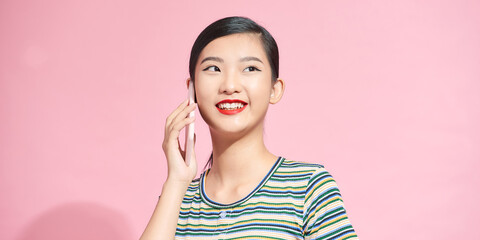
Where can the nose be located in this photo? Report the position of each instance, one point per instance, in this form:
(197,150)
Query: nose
(230,83)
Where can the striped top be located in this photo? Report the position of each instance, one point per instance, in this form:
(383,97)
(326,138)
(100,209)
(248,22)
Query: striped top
(295,200)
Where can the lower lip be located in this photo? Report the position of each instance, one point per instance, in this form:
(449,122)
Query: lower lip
(231,112)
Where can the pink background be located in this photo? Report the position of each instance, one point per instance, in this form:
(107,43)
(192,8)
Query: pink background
(385,94)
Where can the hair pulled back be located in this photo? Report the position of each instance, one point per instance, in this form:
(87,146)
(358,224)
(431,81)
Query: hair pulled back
(232,25)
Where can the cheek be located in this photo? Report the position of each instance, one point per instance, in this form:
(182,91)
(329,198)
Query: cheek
(201,97)
(260,91)
(203,102)
(204,93)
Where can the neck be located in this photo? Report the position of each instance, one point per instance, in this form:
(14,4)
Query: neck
(236,158)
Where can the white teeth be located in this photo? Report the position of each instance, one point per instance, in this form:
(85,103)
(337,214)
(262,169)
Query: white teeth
(230,106)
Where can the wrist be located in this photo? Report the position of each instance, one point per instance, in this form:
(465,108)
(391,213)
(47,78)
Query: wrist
(174,185)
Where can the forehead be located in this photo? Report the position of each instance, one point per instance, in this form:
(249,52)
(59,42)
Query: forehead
(235,46)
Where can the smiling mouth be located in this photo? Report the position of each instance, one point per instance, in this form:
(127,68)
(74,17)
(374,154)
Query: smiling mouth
(231,106)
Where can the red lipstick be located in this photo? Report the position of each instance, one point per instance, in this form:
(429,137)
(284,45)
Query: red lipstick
(231,106)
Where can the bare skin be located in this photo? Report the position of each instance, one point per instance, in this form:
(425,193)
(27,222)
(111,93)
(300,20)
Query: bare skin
(241,159)
(163,222)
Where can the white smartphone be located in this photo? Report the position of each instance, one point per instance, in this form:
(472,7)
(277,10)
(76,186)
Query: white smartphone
(189,132)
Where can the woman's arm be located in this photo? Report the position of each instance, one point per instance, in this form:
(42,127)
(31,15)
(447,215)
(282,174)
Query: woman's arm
(163,223)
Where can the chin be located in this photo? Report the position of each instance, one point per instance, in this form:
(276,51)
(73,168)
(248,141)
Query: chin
(228,129)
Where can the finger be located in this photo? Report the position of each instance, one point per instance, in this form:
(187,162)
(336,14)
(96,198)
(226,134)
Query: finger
(184,113)
(182,152)
(193,160)
(180,124)
(175,129)
(175,112)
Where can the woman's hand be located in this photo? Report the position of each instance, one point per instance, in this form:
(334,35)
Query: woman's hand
(163,222)
(178,171)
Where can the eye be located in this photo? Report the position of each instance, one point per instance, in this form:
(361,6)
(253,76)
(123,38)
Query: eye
(212,69)
(251,69)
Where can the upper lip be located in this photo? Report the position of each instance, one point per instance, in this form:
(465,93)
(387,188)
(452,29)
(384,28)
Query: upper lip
(232,101)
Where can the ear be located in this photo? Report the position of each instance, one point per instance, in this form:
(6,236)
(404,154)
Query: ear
(277,91)
(188,82)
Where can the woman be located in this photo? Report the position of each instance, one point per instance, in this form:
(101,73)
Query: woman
(248,192)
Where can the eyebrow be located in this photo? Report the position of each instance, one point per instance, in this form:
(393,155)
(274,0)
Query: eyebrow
(220,60)
(216,59)
(249,58)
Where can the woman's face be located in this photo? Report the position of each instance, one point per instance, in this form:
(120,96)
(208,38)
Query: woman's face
(233,83)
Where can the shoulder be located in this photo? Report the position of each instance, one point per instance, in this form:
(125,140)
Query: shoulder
(314,176)
(296,168)
(309,176)
(300,164)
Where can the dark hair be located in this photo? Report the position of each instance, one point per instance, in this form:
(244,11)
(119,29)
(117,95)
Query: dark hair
(232,25)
